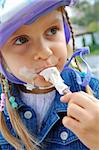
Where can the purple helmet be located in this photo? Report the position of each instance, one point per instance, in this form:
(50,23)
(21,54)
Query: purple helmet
(14,14)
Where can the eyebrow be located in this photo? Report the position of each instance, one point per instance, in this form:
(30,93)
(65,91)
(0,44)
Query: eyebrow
(53,21)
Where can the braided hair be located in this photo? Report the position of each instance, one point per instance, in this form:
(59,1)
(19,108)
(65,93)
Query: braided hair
(78,66)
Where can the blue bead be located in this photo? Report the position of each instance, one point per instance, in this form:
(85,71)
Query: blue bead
(83,74)
(14,105)
(12,99)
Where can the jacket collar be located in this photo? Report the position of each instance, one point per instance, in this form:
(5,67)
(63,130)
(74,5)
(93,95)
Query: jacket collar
(56,108)
(51,117)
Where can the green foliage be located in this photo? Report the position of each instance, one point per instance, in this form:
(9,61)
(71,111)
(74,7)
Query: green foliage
(94,49)
(93,26)
(88,15)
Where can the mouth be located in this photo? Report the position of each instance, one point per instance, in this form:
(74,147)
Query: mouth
(43,68)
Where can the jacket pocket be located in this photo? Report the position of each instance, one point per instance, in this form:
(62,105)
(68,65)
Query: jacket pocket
(63,139)
(61,135)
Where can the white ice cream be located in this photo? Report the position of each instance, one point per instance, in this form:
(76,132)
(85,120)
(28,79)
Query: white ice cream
(52,75)
(25,72)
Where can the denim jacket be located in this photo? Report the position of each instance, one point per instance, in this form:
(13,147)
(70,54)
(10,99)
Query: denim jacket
(52,135)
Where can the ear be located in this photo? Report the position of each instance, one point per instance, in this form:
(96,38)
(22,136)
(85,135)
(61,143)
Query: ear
(69,51)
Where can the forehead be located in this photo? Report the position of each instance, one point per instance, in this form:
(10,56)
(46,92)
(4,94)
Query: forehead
(51,18)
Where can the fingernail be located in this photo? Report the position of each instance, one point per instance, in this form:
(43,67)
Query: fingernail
(62,99)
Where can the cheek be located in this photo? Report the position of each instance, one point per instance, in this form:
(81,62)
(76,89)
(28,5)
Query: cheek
(60,51)
(22,72)
(15,62)
(61,48)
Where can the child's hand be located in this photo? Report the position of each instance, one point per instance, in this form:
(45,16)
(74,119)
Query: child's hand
(83,117)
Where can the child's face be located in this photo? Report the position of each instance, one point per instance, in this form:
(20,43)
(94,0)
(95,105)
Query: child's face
(35,47)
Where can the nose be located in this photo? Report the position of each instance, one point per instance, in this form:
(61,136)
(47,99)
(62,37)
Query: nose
(43,51)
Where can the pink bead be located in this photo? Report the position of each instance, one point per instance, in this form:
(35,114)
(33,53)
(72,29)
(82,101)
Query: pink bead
(2,102)
(1,109)
(3,96)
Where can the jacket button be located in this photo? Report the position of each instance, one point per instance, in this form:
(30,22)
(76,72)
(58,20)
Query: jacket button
(64,135)
(28,114)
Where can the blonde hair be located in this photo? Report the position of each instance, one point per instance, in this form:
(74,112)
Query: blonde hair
(29,141)
(24,137)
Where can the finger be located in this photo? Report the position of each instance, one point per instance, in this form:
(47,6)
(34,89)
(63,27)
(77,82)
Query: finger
(77,112)
(71,124)
(89,101)
(80,99)
(91,97)
(65,98)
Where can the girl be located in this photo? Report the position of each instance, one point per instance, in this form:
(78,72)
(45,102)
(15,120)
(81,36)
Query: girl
(34,35)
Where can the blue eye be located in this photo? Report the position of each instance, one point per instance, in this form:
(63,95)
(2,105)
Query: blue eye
(21,40)
(52,31)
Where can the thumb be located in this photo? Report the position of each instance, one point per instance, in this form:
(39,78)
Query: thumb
(65,98)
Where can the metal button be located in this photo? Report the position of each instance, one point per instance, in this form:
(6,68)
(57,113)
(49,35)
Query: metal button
(64,135)
(8,118)
(28,114)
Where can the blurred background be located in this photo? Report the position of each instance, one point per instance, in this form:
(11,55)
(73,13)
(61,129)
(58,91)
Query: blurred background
(85,22)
